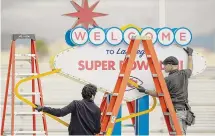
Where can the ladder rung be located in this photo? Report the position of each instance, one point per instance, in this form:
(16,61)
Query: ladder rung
(148,56)
(129,125)
(121,75)
(166,113)
(105,95)
(127,56)
(29,132)
(23,59)
(172,133)
(25,74)
(115,94)
(28,113)
(154,75)
(160,94)
(109,113)
(29,94)
(141,37)
(133,37)
(26,55)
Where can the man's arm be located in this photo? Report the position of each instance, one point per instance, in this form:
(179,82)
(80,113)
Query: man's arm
(190,63)
(153,93)
(149,92)
(59,112)
(189,69)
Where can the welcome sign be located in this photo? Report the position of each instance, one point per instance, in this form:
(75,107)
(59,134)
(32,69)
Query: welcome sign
(100,65)
(96,54)
(115,36)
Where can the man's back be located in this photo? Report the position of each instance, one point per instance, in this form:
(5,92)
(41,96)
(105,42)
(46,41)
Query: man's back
(177,83)
(85,118)
(85,115)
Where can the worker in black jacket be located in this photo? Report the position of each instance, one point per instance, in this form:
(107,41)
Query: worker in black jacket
(177,84)
(85,114)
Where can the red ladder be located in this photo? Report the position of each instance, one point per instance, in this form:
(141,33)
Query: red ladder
(109,115)
(12,75)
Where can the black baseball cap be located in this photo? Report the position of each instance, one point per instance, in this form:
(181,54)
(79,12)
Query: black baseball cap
(170,60)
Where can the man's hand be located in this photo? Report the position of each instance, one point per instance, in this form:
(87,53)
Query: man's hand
(141,89)
(38,108)
(189,51)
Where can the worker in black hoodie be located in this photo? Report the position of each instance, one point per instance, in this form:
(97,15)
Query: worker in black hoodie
(85,114)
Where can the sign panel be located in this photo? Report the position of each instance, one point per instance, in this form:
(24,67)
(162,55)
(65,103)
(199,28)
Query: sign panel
(100,65)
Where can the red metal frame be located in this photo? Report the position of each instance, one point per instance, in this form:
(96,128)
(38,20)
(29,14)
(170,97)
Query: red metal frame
(7,89)
(39,86)
(108,121)
(11,75)
(103,106)
(12,88)
(33,86)
(131,109)
(161,88)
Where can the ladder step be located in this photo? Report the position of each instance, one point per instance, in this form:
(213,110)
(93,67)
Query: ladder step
(105,95)
(140,37)
(121,75)
(160,94)
(127,56)
(29,132)
(172,133)
(25,74)
(115,94)
(28,113)
(27,94)
(109,113)
(25,132)
(26,55)
(18,59)
(154,75)
(148,56)
(102,133)
(166,113)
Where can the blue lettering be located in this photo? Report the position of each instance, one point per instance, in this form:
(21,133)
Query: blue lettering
(119,51)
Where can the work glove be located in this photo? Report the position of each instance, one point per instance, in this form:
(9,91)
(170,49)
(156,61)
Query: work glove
(141,89)
(189,51)
(39,108)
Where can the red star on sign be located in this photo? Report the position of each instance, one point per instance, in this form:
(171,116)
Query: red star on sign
(85,14)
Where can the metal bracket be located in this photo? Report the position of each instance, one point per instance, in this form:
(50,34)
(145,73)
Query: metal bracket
(23,36)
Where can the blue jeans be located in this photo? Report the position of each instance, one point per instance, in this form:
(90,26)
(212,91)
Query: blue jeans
(181,115)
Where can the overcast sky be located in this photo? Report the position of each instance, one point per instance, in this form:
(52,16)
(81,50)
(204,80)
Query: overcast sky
(44,17)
